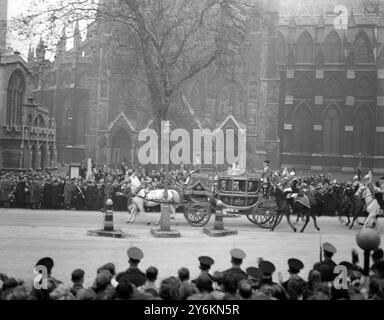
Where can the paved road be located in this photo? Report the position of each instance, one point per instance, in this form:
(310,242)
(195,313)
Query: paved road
(26,236)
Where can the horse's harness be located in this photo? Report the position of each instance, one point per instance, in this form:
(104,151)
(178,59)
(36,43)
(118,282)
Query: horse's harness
(136,195)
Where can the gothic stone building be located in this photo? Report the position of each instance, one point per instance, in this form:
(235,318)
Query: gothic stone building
(27,132)
(100,106)
(332,91)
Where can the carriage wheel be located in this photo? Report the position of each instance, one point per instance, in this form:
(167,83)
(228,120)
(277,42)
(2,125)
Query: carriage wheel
(265,214)
(198,214)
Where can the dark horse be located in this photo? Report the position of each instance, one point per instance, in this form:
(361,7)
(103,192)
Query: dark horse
(352,206)
(285,205)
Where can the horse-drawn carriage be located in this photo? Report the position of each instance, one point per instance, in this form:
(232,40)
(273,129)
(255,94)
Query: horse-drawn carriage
(242,194)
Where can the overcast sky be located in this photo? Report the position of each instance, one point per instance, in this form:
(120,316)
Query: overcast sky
(17,6)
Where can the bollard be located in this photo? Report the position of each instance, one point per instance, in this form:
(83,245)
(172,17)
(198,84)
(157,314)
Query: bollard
(165,230)
(108,216)
(108,227)
(218,226)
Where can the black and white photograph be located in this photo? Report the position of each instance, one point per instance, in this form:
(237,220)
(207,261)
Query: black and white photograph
(189,150)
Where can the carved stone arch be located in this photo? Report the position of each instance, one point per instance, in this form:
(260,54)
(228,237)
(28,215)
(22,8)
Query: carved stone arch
(35,155)
(44,161)
(363,49)
(333,47)
(334,87)
(39,121)
(282,49)
(364,130)
(365,87)
(305,48)
(332,129)
(302,123)
(120,142)
(15,97)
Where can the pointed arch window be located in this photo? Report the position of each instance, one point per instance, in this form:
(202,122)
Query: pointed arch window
(302,129)
(305,48)
(253,91)
(39,122)
(333,48)
(363,50)
(332,131)
(363,130)
(15,98)
(282,52)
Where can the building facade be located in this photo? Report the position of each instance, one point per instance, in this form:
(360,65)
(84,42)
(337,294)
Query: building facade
(332,90)
(100,106)
(3,25)
(27,132)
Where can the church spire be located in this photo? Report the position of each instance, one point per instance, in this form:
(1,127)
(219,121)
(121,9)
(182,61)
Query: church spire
(3,25)
(62,45)
(31,55)
(77,36)
(40,51)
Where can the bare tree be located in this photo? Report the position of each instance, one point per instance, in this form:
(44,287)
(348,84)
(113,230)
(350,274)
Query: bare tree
(172,40)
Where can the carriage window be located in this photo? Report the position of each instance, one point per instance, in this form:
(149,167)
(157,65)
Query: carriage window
(253,186)
(226,185)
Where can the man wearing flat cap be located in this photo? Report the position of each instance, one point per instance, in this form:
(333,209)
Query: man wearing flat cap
(205,265)
(237,257)
(327,266)
(133,274)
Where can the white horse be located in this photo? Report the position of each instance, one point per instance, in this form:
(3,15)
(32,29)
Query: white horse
(142,197)
(372,206)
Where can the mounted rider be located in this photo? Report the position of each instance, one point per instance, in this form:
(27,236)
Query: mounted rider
(298,193)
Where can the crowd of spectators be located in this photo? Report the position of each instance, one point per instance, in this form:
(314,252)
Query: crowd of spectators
(49,190)
(254,283)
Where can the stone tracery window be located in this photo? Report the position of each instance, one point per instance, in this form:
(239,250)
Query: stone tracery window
(333,48)
(15,98)
(362,47)
(305,48)
(332,131)
(363,131)
(282,50)
(302,129)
